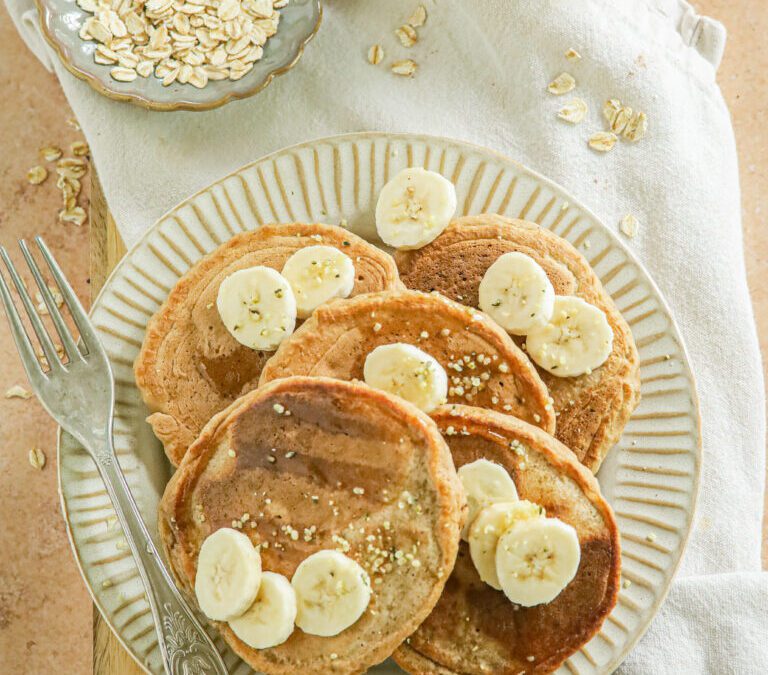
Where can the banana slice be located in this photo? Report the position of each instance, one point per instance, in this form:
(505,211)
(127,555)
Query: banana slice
(228,574)
(407,372)
(318,274)
(268,622)
(414,208)
(516,292)
(489,525)
(577,339)
(484,483)
(258,307)
(536,560)
(332,592)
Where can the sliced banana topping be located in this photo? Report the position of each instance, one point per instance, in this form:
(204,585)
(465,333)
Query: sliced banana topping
(536,559)
(485,531)
(228,575)
(414,208)
(332,592)
(516,292)
(269,621)
(577,339)
(484,483)
(408,372)
(257,306)
(318,274)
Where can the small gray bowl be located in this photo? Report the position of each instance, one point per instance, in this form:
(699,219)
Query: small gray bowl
(61,20)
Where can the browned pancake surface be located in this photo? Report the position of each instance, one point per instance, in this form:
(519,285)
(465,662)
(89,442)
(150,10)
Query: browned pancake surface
(190,367)
(337,338)
(371,476)
(476,630)
(592,409)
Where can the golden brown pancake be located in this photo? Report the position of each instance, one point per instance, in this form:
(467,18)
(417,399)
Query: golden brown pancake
(371,476)
(593,409)
(476,630)
(485,367)
(190,367)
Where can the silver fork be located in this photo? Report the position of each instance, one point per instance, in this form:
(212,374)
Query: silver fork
(79,395)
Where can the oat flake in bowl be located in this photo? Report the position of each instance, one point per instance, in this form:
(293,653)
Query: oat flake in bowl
(191,41)
(149,52)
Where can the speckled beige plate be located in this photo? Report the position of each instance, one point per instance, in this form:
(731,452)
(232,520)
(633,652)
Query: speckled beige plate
(60,21)
(650,477)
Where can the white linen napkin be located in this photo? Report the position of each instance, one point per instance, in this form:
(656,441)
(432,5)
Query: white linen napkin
(483,69)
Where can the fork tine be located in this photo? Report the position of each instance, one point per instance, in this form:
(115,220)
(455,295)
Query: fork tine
(87,333)
(42,334)
(62,329)
(28,357)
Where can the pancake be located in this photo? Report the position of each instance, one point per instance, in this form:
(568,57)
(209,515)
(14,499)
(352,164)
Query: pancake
(347,437)
(592,410)
(337,338)
(476,630)
(190,367)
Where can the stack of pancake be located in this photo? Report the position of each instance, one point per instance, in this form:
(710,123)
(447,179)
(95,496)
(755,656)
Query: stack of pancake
(293,448)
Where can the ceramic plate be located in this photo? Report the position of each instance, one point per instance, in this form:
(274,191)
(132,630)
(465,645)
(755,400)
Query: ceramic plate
(650,477)
(61,21)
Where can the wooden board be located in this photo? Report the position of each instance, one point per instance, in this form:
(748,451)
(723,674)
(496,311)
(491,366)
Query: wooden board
(106,249)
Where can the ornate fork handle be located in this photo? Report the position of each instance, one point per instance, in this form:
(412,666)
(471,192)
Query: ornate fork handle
(185,646)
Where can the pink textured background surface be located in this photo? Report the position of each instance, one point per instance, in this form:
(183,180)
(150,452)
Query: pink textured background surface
(45,613)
